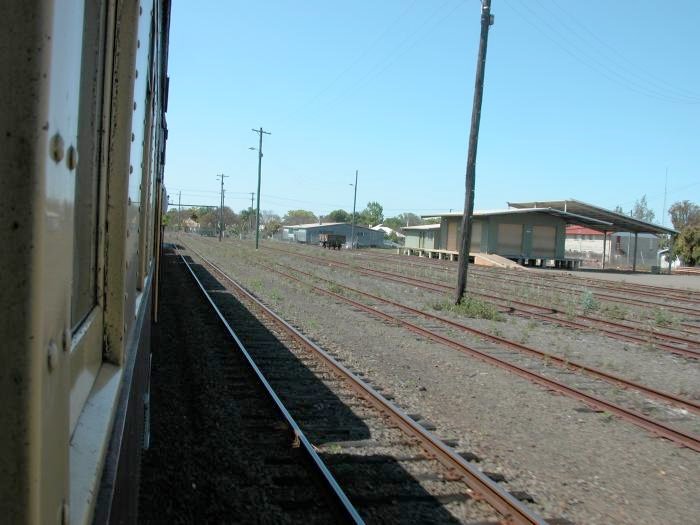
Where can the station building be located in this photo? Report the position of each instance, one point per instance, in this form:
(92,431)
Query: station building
(309,233)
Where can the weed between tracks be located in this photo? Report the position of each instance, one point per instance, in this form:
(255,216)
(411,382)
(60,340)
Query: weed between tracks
(471,307)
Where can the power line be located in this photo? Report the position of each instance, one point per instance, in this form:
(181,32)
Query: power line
(367,49)
(650,76)
(597,66)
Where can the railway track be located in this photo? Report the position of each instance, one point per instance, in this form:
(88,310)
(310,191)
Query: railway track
(522,277)
(387,464)
(659,428)
(609,328)
(566,364)
(627,289)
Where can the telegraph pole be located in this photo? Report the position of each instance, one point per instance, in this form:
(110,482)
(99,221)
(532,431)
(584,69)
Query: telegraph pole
(260,156)
(179,211)
(352,230)
(465,241)
(221,210)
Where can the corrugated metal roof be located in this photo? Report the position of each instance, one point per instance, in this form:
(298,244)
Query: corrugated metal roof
(618,221)
(581,230)
(422,227)
(323,225)
(570,218)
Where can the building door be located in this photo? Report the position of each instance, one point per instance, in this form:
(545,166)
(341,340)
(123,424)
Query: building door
(452,234)
(475,243)
(510,239)
(543,241)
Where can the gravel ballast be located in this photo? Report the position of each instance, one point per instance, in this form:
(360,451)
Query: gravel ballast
(588,467)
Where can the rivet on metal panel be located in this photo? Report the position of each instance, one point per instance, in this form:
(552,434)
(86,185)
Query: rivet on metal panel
(132,137)
(56,146)
(138,43)
(66,339)
(52,355)
(72,158)
(140,10)
(135,102)
(127,236)
(136,75)
(129,201)
(131,169)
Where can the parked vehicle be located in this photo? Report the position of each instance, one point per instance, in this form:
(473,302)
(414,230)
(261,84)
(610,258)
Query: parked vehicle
(331,241)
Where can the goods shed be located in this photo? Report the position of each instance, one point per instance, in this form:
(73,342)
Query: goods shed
(310,233)
(423,237)
(612,222)
(529,236)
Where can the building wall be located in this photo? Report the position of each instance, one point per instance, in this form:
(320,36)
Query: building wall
(451,230)
(412,238)
(529,236)
(619,249)
(364,237)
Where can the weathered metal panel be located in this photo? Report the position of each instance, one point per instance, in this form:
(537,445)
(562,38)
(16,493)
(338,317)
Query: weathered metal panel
(510,239)
(40,45)
(475,244)
(453,230)
(544,240)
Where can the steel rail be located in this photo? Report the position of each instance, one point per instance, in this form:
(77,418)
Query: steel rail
(682,438)
(609,298)
(503,502)
(525,309)
(349,511)
(566,364)
(644,289)
(630,324)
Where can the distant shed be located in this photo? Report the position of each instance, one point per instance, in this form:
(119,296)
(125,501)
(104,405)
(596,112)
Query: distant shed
(309,233)
(611,222)
(422,237)
(525,235)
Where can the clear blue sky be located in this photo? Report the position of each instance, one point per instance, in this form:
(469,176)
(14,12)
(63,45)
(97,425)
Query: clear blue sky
(591,100)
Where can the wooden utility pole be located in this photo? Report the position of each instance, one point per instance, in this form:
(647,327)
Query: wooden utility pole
(465,238)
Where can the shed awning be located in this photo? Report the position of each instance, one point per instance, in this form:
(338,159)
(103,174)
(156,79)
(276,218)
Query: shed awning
(570,218)
(619,221)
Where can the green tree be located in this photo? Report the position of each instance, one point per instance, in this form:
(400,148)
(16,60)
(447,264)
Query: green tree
(246,220)
(402,220)
(684,213)
(641,210)
(338,216)
(373,214)
(273,226)
(618,209)
(687,245)
(293,217)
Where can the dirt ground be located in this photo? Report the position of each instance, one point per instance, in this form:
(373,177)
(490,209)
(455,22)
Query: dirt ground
(585,466)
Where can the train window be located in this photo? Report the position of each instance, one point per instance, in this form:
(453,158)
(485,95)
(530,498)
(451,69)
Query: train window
(88,214)
(86,203)
(146,168)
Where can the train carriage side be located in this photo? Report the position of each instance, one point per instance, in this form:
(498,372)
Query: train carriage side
(82,117)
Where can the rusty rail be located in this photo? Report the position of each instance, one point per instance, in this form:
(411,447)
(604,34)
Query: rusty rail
(526,309)
(512,510)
